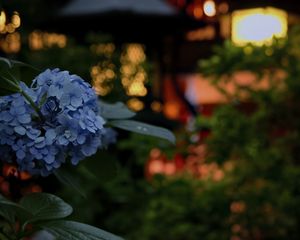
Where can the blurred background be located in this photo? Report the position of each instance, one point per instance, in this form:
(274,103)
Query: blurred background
(223,75)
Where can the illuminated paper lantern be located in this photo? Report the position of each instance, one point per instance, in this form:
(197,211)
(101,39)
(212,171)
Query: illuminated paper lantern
(258,25)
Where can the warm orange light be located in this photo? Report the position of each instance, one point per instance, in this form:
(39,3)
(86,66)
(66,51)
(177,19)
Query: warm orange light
(2,21)
(209,8)
(238,207)
(10,170)
(103,74)
(198,12)
(171,110)
(9,27)
(155,153)
(39,40)
(156,166)
(11,43)
(16,20)
(169,168)
(200,90)
(156,106)
(258,26)
(205,33)
(135,104)
(133,74)
(223,7)
(25,176)
(136,88)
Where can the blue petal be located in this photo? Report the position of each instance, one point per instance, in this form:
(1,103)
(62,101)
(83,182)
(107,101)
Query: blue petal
(20,130)
(20,154)
(33,133)
(81,139)
(24,118)
(20,110)
(38,156)
(76,102)
(40,144)
(62,140)
(99,122)
(54,92)
(44,151)
(9,131)
(33,151)
(82,124)
(39,139)
(75,160)
(50,136)
(49,159)
(6,116)
(53,150)
(88,150)
(65,100)
(91,129)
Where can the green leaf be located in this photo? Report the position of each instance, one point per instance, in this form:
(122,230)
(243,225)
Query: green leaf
(8,86)
(44,206)
(70,230)
(68,179)
(8,62)
(12,63)
(115,111)
(143,128)
(9,209)
(6,202)
(12,77)
(9,82)
(8,213)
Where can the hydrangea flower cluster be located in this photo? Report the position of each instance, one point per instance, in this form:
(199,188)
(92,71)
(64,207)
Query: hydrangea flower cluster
(68,126)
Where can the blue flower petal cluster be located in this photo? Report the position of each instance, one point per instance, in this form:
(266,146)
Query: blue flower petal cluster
(70,127)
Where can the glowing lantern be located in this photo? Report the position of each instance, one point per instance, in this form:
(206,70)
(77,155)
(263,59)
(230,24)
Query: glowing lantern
(2,21)
(209,8)
(154,166)
(258,25)
(135,104)
(169,168)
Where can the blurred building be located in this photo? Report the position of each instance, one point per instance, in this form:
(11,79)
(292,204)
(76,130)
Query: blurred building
(173,34)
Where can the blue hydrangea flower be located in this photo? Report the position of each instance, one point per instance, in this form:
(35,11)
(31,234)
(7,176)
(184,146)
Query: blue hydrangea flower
(71,127)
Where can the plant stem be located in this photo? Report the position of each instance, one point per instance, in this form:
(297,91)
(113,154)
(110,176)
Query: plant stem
(33,105)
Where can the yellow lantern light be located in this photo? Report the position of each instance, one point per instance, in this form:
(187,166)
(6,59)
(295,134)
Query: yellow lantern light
(258,25)
(209,8)
(2,21)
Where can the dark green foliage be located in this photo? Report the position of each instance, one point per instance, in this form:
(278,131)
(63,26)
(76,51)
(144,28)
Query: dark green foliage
(43,211)
(259,136)
(263,144)
(183,208)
